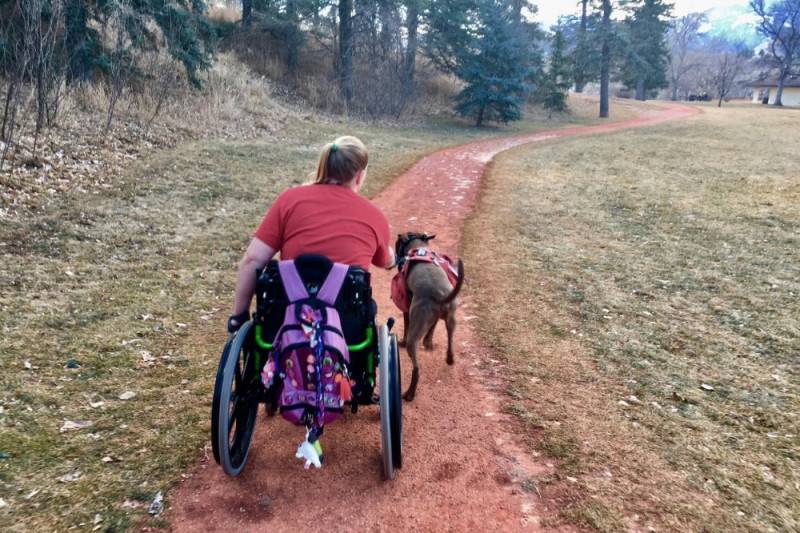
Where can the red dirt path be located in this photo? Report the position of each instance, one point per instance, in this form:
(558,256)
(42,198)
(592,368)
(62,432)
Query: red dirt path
(462,467)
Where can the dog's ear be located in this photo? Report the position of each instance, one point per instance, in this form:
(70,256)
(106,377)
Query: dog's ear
(429,237)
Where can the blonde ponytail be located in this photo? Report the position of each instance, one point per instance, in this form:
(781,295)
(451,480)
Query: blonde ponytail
(341,160)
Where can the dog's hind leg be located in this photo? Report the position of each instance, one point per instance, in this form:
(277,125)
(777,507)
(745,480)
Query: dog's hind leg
(405,331)
(450,323)
(427,342)
(421,320)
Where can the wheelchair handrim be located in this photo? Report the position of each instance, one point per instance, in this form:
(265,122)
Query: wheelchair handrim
(233,455)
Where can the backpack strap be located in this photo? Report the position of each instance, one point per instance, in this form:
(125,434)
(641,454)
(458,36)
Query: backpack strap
(292,283)
(333,284)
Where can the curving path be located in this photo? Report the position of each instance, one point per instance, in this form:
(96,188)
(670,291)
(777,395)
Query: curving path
(463,470)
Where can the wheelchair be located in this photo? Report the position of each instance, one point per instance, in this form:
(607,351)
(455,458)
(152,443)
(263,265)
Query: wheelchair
(374,361)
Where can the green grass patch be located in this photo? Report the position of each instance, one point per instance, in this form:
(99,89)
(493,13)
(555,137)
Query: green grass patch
(127,288)
(661,268)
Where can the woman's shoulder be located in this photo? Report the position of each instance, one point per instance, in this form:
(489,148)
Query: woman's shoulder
(296,192)
(374,213)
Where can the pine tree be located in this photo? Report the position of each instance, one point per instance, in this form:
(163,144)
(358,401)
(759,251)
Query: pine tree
(552,91)
(484,43)
(494,68)
(645,64)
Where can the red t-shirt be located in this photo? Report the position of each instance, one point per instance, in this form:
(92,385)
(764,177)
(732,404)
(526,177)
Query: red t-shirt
(329,220)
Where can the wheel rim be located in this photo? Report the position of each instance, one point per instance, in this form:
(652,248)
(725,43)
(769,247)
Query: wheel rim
(237,405)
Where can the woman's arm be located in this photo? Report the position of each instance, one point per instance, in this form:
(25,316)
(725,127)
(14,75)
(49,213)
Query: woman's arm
(257,255)
(392,260)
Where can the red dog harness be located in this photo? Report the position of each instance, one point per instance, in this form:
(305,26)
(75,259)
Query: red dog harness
(400,294)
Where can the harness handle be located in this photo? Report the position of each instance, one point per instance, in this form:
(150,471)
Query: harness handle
(333,284)
(292,283)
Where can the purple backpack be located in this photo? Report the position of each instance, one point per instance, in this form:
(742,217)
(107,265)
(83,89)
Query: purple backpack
(310,355)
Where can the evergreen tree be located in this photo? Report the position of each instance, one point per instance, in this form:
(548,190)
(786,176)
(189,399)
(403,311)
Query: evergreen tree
(645,63)
(484,43)
(582,47)
(494,67)
(552,91)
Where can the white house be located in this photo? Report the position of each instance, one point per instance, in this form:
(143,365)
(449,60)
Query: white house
(764,91)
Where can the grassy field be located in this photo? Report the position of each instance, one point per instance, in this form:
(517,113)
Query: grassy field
(650,330)
(126,289)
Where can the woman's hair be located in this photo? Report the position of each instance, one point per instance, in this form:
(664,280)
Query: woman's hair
(341,160)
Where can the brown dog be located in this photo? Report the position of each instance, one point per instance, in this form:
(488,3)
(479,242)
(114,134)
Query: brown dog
(433,298)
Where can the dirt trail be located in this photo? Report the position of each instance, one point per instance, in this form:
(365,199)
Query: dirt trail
(463,469)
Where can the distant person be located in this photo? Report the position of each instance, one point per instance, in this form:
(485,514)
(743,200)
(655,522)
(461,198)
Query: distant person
(328,217)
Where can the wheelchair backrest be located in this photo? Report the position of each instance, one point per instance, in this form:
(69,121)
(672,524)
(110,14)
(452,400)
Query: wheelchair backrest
(353,303)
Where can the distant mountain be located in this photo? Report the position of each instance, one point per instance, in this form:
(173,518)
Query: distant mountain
(735,23)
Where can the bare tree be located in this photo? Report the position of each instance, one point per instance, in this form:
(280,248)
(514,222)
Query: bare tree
(682,36)
(727,68)
(780,23)
(42,23)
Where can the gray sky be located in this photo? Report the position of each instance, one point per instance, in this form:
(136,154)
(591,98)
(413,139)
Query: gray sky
(550,10)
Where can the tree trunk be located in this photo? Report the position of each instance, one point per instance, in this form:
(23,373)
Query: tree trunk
(385,17)
(346,50)
(6,136)
(779,92)
(75,39)
(719,102)
(580,78)
(294,37)
(641,93)
(674,92)
(410,60)
(247,12)
(605,59)
(479,121)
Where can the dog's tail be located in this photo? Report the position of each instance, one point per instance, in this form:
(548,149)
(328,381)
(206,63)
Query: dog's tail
(459,283)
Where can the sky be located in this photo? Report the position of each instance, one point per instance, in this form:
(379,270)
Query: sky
(550,10)
(732,19)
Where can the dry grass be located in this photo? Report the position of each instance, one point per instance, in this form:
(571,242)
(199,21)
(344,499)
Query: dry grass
(125,286)
(224,12)
(651,318)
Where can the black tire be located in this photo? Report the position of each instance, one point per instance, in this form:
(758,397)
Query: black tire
(235,404)
(390,403)
(396,403)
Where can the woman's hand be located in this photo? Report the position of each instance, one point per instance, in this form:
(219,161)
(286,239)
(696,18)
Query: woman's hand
(236,321)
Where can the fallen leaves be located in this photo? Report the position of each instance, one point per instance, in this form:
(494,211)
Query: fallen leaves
(157,505)
(72,476)
(70,425)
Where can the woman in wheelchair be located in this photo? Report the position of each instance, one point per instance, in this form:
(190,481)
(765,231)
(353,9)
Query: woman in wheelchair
(313,309)
(328,218)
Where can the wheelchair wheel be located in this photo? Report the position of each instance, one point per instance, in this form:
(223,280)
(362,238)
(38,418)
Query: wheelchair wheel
(391,405)
(235,405)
